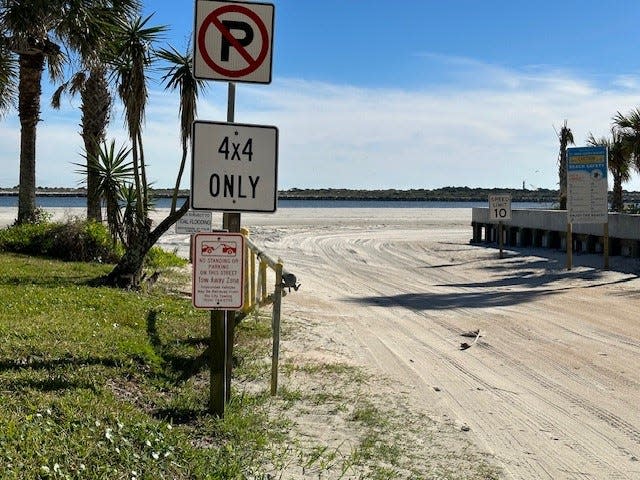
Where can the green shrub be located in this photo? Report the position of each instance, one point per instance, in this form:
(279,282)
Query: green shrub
(79,240)
(159,258)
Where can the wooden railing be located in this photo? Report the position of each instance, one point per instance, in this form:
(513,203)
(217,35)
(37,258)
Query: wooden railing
(256,293)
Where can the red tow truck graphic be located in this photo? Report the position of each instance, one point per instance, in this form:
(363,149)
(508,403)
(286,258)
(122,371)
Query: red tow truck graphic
(219,249)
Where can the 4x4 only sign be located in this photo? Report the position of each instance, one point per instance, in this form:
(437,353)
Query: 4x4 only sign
(234,167)
(233,41)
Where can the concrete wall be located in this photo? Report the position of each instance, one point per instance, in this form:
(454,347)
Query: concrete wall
(621,226)
(547,228)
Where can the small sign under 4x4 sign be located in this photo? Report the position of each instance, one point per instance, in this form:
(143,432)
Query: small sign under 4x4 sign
(194,222)
(218,271)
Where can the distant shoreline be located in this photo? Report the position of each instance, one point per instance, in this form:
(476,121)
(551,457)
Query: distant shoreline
(446,194)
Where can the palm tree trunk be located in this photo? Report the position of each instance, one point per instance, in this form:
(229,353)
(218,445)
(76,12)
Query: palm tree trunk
(143,173)
(96,105)
(128,272)
(136,176)
(174,200)
(562,173)
(29,91)
(617,204)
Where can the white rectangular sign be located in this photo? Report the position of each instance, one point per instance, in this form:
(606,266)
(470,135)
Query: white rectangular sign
(500,207)
(234,167)
(587,185)
(233,41)
(194,222)
(218,271)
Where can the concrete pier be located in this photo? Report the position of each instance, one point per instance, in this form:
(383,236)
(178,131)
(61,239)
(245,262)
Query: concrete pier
(548,229)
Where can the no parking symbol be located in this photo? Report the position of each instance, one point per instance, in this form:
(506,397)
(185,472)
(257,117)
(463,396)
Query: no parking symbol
(233,41)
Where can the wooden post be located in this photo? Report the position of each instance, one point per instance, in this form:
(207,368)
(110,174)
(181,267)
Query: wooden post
(605,246)
(569,246)
(252,276)
(217,371)
(231,223)
(500,238)
(248,279)
(275,325)
(263,281)
(229,331)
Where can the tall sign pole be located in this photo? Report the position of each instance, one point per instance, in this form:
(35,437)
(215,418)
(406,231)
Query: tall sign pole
(233,43)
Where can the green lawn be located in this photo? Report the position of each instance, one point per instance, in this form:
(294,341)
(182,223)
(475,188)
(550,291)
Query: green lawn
(103,383)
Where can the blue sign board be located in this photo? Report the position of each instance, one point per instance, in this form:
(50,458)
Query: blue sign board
(587,185)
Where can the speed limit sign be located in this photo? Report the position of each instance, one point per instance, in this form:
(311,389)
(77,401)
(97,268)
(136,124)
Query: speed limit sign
(500,207)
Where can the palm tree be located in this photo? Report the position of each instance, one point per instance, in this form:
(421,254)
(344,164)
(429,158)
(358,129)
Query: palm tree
(35,32)
(135,55)
(179,75)
(619,164)
(629,126)
(28,28)
(565,136)
(92,84)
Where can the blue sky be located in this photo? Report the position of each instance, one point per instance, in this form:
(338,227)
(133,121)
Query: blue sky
(406,94)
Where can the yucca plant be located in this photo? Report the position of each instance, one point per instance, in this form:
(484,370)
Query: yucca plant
(112,170)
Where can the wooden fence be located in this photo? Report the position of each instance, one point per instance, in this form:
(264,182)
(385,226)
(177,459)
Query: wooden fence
(256,294)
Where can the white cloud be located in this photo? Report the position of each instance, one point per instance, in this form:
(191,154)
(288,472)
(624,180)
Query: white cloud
(491,127)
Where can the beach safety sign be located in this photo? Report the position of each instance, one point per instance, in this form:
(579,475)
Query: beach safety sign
(587,185)
(234,167)
(218,271)
(233,41)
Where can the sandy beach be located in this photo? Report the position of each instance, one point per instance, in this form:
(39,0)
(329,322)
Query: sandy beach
(551,387)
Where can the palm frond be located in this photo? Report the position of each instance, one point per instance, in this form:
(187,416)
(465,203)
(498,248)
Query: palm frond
(8,76)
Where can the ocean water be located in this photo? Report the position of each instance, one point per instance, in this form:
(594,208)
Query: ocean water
(71,202)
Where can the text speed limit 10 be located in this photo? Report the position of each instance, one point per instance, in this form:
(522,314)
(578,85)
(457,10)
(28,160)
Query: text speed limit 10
(234,167)
(499,207)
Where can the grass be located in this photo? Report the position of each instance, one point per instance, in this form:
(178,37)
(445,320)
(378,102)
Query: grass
(100,383)
(103,383)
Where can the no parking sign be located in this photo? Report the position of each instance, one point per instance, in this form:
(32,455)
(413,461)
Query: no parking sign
(233,41)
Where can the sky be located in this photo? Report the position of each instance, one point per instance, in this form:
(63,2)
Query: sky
(399,94)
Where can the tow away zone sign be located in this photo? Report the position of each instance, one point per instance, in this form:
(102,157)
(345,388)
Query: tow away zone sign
(218,271)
